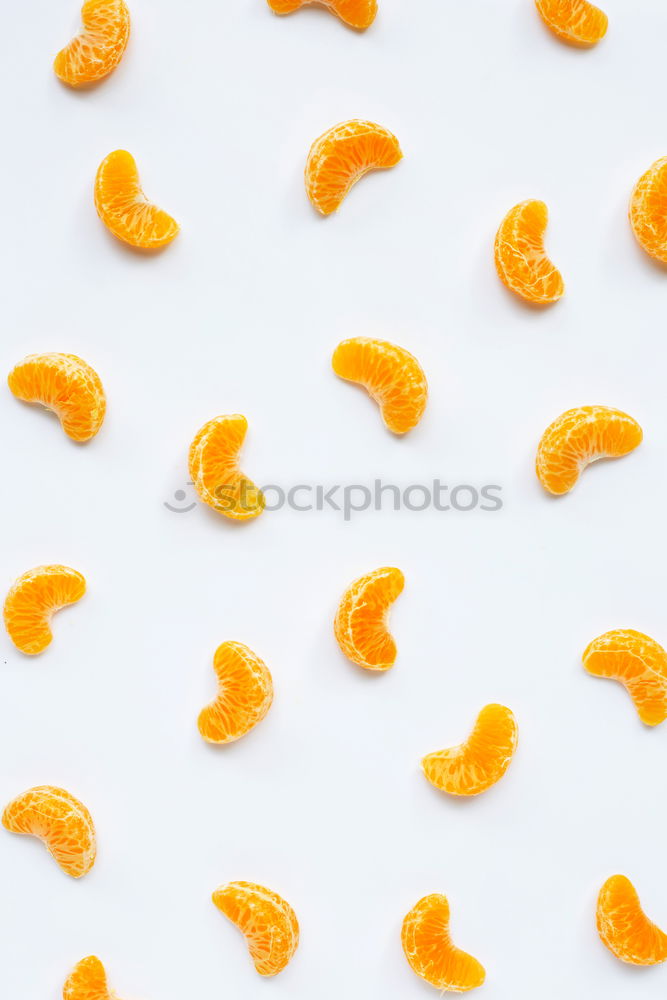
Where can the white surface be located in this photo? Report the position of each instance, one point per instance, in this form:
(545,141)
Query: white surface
(219,102)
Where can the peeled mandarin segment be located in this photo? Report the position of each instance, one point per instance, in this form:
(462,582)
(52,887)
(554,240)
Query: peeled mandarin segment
(65,384)
(521,259)
(360,625)
(429,949)
(88,981)
(358,14)
(575,21)
(482,760)
(392,376)
(639,663)
(648,211)
(32,601)
(123,207)
(245,694)
(98,49)
(340,157)
(623,926)
(579,437)
(266,920)
(214,469)
(60,821)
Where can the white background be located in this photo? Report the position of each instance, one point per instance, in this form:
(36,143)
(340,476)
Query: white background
(324,802)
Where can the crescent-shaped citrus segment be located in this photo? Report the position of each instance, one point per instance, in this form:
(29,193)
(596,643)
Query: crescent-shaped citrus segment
(60,821)
(648,211)
(32,601)
(624,927)
(358,14)
(391,375)
(521,259)
(123,207)
(579,437)
(482,760)
(98,49)
(575,21)
(340,157)
(214,469)
(245,693)
(361,621)
(265,919)
(428,947)
(65,384)
(88,981)
(639,663)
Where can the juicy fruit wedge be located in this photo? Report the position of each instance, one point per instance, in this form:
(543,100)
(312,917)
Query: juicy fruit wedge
(60,821)
(482,760)
(124,209)
(361,621)
(358,14)
(575,21)
(340,157)
(639,663)
(648,211)
(214,469)
(428,947)
(265,919)
(98,49)
(521,260)
(65,384)
(88,981)
(392,376)
(245,693)
(579,437)
(32,601)
(624,927)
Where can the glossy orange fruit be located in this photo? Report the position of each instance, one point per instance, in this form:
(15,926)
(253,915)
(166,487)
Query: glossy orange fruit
(579,437)
(358,14)
(390,374)
(340,157)
(624,927)
(639,663)
(481,760)
(265,919)
(123,207)
(648,211)
(88,981)
(361,620)
(65,384)
(521,260)
(32,601)
(574,21)
(428,947)
(245,693)
(60,821)
(98,49)
(214,469)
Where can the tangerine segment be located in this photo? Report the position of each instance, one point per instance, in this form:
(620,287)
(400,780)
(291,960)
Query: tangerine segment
(361,620)
(579,437)
(244,696)
(639,663)
(648,211)
(392,376)
(575,21)
(32,601)
(624,927)
(214,469)
(521,259)
(428,947)
(482,760)
(358,14)
(65,384)
(343,155)
(88,981)
(123,207)
(98,49)
(266,920)
(60,821)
